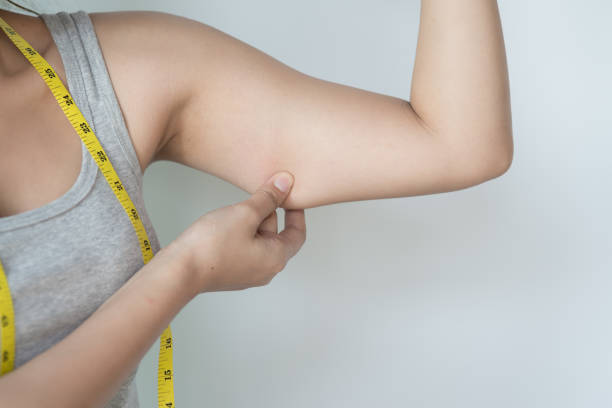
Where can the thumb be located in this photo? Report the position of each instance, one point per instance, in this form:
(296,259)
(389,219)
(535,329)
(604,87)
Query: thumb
(270,195)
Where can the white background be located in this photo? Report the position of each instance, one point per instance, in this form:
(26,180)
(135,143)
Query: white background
(494,296)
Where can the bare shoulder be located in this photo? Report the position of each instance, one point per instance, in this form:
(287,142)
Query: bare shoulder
(141,54)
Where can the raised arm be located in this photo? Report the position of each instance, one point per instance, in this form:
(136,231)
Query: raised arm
(460,83)
(239,114)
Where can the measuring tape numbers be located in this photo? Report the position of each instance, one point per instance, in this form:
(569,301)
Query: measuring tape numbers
(165,390)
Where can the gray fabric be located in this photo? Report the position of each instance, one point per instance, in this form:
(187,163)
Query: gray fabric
(64,259)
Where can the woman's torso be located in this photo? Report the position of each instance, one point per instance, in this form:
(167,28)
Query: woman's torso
(66,243)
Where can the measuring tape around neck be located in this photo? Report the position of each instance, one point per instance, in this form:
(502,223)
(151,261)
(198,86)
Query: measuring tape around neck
(165,390)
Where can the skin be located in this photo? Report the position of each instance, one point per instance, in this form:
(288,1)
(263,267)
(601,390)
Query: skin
(231,248)
(242,106)
(26,157)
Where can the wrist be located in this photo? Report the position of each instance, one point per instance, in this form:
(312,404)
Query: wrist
(178,270)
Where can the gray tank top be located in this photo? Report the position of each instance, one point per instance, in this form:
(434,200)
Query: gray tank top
(64,259)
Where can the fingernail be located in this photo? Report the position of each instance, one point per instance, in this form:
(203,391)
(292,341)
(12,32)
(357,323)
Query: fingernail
(283,182)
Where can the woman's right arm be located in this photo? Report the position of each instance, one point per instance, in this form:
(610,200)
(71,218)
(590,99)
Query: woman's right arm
(87,367)
(231,248)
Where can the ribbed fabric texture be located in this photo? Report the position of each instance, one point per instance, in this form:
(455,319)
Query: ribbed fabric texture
(64,259)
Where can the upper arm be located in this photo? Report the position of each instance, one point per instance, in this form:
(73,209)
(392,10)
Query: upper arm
(242,115)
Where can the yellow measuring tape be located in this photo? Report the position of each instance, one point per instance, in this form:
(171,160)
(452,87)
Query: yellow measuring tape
(165,390)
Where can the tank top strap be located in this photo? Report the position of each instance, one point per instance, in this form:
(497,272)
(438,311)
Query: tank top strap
(90,85)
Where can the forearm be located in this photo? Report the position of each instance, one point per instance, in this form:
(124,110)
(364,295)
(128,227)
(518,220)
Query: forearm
(90,364)
(460,81)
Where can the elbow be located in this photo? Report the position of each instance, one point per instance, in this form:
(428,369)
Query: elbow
(484,162)
(501,162)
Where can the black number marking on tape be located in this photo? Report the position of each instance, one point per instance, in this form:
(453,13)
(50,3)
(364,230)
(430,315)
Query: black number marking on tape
(68,100)
(6,321)
(101,155)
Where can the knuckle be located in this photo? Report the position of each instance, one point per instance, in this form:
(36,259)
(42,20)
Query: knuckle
(275,260)
(246,209)
(300,237)
(265,280)
(278,266)
(271,196)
